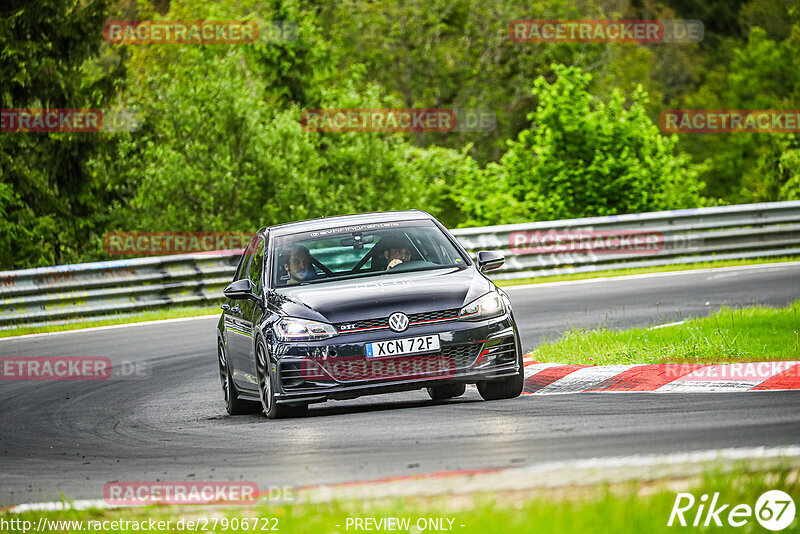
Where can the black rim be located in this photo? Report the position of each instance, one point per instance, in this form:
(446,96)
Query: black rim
(224,376)
(264,384)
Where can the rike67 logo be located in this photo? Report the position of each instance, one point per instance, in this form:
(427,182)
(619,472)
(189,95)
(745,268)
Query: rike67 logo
(774,510)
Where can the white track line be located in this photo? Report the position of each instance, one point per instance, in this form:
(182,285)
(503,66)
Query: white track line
(707,387)
(654,275)
(110,327)
(665,325)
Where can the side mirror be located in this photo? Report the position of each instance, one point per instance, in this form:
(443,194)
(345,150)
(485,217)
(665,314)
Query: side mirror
(490,259)
(240,290)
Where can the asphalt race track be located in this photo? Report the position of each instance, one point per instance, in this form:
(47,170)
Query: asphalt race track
(72,437)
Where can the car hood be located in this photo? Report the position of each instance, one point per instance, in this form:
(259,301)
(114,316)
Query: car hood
(380,296)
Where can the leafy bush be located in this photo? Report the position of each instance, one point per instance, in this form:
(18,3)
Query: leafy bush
(582,157)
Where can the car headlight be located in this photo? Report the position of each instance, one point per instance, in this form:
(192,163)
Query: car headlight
(489,305)
(292,329)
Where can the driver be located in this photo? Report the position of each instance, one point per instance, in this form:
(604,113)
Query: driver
(296,261)
(397,251)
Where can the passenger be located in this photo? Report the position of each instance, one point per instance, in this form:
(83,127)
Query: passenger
(296,261)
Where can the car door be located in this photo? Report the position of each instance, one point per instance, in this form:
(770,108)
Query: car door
(239,334)
(250,312)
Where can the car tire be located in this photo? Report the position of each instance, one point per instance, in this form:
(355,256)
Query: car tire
(233,405)
(266,390)
(447,391)
(507,388)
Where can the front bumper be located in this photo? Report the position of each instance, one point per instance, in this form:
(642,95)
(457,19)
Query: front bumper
(338,368)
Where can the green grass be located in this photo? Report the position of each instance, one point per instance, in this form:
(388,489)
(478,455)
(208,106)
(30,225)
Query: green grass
(643,270)
(729,335)
(633,508)
(147,315)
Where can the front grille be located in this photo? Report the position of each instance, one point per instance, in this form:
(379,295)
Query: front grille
(383,322)
(431,316)
(295,375)
(345,328)
(505,350)
(291,374)
(463,355)
(498,352)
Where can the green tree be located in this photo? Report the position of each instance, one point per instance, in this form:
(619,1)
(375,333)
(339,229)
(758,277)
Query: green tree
(51,59)
(583,157)
(777,175)
(761,75)
(215,153)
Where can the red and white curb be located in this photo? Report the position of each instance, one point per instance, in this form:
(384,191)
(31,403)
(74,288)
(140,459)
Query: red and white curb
(548,378)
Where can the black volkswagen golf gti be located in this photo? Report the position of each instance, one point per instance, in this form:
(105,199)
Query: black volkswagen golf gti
(340,307)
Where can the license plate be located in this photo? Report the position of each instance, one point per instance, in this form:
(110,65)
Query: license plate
(409,345)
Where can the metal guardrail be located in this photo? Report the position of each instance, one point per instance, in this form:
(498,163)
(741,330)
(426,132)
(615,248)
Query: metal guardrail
(81,291)
(84,290)
(687,236)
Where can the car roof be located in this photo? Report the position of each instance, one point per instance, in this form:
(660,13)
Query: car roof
(346,220)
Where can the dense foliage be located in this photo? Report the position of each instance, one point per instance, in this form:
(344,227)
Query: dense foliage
(215,141)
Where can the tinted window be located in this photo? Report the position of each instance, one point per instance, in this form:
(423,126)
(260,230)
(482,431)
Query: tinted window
(360,251)
(244,263)
(256,265)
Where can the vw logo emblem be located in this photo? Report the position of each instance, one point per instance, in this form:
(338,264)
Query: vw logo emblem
(398,321)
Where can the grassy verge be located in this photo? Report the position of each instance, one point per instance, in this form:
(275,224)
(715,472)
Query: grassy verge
(643,270)
(147,315)
(629,508)
(729,335)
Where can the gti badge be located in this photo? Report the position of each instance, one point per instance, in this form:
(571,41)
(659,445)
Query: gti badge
(398,321)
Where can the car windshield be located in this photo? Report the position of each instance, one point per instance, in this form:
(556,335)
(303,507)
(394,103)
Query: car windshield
(362,251)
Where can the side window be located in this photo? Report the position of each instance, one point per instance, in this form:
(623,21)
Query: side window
(244,264)
(256,266)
